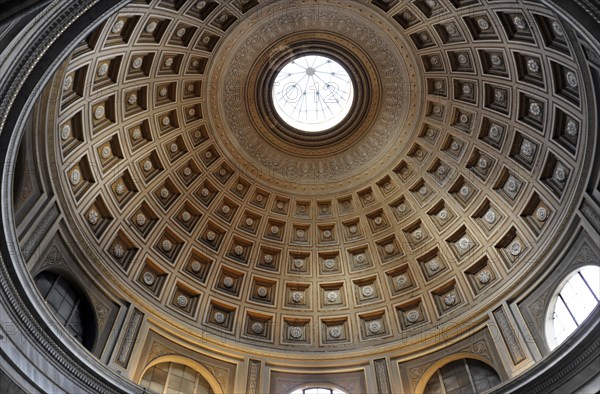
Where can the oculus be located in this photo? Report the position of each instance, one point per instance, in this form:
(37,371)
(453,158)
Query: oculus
(313,93)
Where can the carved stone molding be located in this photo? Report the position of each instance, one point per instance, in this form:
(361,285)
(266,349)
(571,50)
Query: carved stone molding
(27,188)
(508,333)
(568,368)
(538,309)
(416,373)
(53,257)
(129,339)
(584,256)
(222,376)
(35,40)
(253,377)
(102,312)
(591,8)
(40,232)
(156,351)
(563,370)
(478,347)
(591,214)
(381,374)
(385,131)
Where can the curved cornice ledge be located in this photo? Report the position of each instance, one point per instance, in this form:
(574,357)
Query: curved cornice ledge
(35,353)
(45,361)
(567,369)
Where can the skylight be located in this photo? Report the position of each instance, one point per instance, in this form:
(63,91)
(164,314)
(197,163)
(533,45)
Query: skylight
(313,93)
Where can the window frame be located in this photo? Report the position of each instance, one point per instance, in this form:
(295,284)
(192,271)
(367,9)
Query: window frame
(89,329)
(317,385)
(195,365)
(549,333)
(432,370)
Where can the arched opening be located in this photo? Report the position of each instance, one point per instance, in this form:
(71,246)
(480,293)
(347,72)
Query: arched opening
(174,378)
(577,298)
(313,93)
(461,377)
(317,389)
(69,305)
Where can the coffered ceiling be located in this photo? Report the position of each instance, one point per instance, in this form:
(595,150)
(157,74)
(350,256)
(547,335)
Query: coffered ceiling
(459,162)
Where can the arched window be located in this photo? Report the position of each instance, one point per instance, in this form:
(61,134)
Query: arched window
(317,390)
(462,377)
(69,305)
(574,303)
(174,378)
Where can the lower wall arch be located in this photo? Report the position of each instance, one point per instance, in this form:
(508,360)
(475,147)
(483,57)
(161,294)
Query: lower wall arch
(201,369)
(440,363)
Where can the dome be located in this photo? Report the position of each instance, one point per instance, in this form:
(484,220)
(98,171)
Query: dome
(258,196)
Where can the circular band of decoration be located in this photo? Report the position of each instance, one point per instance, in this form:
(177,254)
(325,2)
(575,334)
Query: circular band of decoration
(311,110)
(242,113)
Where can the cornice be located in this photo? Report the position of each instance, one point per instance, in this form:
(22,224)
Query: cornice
(31,58)
(563,364)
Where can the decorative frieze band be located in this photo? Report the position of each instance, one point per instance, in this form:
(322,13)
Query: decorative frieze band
(131,333)
(591,215)
(40,231)
(253,377)
(508,333)
(381,374)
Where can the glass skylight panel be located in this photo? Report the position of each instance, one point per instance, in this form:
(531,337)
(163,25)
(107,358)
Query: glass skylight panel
(313,93)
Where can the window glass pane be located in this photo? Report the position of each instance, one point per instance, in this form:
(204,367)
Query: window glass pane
(147,377)
(189,374)
(569,291)
(564,324)
(482,385)
(174,383)
(61,286)
(178,378)
(156,387)
(451,383)
(44,283)
(450,373)
(54,299)
(68,306)
(177,369)
(64,310)
(457,379)
(203,387)
(463,379)
(579,298)
(75,324)
(484,376)
(160,376)
(433,386)
(155,379)
(186,387)
(592,277)
(583,306)
(316,390)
